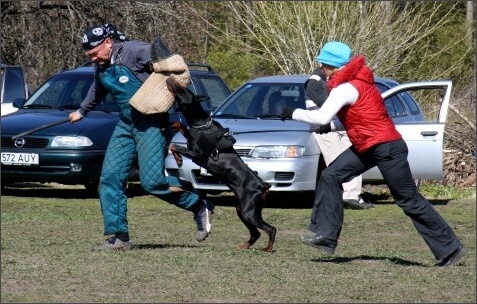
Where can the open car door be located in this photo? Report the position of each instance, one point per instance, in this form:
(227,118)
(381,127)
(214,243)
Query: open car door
(425,135)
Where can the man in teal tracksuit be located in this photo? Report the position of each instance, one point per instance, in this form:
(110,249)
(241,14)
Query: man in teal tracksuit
(120,69)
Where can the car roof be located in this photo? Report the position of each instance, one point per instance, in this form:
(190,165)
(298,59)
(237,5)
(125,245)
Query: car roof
(3,65)
(303,77)
(80,70)
(194,68)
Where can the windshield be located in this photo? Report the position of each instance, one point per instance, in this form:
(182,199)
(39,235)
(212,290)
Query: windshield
(66,92)
(262,100)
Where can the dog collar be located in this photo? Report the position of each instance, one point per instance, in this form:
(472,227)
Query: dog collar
(203,126)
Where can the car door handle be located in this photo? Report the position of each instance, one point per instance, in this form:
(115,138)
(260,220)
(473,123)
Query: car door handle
(429,133)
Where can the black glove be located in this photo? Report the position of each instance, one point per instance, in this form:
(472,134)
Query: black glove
(287,113)
(321,129)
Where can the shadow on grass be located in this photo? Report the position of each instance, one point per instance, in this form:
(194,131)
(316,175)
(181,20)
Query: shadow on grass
(54,191)
(162,246)
(285,200)
(394,260)
(386,199)
(282,200)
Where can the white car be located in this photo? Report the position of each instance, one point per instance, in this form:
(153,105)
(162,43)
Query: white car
(285,154)
(12,85)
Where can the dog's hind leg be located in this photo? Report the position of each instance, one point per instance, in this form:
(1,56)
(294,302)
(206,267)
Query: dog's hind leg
(254,233)
(255,218)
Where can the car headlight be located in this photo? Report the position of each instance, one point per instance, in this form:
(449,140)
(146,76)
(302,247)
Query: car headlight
(277,152)
(71,141)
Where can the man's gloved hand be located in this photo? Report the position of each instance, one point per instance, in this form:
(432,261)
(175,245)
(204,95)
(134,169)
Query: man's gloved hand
(287,113)
(321,129)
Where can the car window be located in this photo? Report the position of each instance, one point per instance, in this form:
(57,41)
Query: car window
(428,102)
(423,104)
(411,103)
(260,100)
(395,107)
(14,81)
(67,92)
(213,87)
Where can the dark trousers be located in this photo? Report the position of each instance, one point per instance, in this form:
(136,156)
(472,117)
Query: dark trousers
(391,159)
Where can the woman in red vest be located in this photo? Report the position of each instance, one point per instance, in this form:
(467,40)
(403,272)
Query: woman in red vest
(359,107)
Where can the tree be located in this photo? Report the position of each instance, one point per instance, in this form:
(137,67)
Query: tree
(45,36)
(289,33)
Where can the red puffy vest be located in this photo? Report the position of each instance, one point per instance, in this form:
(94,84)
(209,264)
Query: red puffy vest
(366,122)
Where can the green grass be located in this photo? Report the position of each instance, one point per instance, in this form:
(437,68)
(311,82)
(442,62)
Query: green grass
(47,234)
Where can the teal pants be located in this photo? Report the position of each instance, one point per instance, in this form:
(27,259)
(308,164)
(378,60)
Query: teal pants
(145,140)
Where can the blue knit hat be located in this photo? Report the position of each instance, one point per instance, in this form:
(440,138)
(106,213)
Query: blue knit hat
(335,53)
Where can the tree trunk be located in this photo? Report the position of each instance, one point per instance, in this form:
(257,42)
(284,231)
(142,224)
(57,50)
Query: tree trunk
(469,18)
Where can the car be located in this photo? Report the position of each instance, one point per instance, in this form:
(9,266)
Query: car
(286,155)
(72,154)
(13,85)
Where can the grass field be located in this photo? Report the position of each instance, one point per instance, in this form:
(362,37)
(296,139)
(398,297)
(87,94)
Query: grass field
(47,233)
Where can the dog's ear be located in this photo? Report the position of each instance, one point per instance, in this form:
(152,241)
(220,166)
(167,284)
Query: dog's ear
(172,86)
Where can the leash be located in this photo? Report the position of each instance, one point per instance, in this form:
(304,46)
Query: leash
(40,128)
(268,131)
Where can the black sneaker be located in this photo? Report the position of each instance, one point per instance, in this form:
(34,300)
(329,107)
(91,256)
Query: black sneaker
(452,258)
(357,204)
(320,242)
(203,218)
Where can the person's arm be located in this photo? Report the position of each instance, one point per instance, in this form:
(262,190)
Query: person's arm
(95,94)
(344,94)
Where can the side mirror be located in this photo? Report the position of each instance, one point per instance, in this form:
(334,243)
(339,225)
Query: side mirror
(18,102)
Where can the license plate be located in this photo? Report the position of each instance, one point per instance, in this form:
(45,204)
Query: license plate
(204,172)
(20,158)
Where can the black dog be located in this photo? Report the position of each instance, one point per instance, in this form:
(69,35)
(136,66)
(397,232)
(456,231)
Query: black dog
(210,146)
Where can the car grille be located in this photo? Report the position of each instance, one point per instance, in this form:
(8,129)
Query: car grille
(30,142)
(243,152)
(211,180)
(284,176)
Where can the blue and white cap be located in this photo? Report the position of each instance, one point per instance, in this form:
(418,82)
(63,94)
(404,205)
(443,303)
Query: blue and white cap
(96,35)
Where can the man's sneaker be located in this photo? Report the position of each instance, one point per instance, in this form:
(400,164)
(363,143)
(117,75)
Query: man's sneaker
(203,218)
(357,204)
(113,244)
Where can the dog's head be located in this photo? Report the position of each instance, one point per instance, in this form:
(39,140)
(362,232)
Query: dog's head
(187,102)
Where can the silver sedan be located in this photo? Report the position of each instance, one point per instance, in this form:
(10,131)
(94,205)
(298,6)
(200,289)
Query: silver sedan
(285,154)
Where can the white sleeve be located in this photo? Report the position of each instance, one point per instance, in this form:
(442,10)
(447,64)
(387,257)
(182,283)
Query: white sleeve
(309,103)
(342,95)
